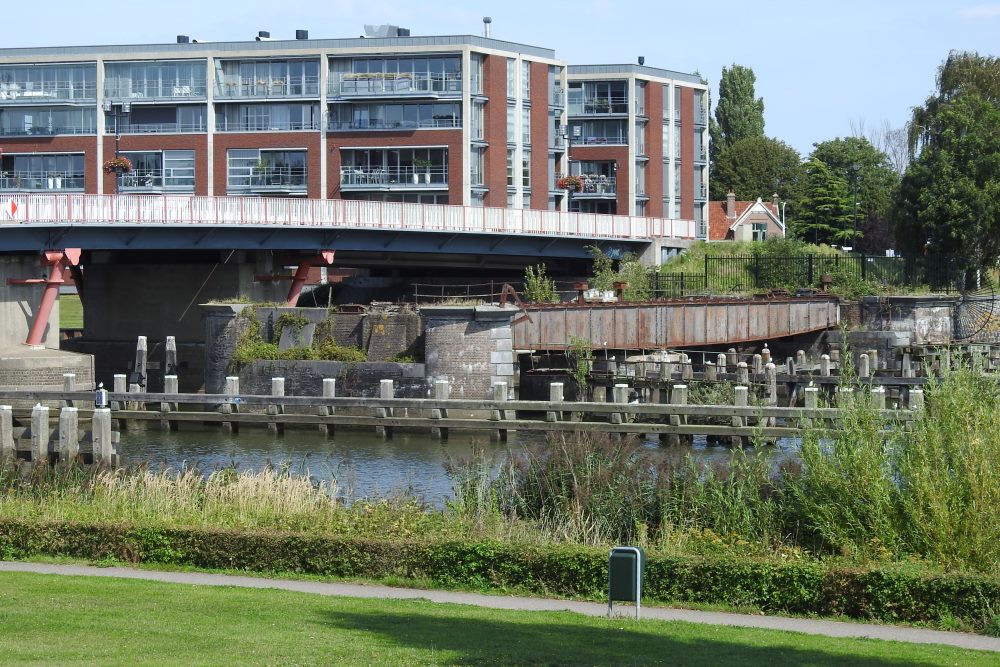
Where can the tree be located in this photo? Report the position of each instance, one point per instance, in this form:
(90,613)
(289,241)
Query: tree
(824,216)
(757,167)
(738,115)
(949,199)
(876,182)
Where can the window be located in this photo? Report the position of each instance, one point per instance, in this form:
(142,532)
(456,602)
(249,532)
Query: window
(478,162)
(526,126)
(41,171)
(476,74)
(525,81)
(510,167)
(264,117)
(759,231)
(155,79)
(268,78)
(43,84)
(511,118)
(266,169)
(478,121)
(156,169)
(511,78)
(640,98)
(526,169)
(17,121)
(397,116)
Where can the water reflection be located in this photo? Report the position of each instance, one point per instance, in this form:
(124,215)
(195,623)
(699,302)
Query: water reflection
(361,463)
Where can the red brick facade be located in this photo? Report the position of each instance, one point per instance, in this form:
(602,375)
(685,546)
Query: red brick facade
(495,161)
(654,149)
(687,153)
(539,135)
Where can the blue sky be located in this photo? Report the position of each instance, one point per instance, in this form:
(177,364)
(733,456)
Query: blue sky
(821,66)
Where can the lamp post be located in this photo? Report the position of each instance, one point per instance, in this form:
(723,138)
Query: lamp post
(855,168)
(119,110)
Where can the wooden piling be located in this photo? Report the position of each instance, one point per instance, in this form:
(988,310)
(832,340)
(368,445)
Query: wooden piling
(277,408)
(232,405)
(329,391)
(139,370)
(7,451)
(731,358)
(711,372)
(40,434)
(69,435)
(800,358)
(742,373)
(765,356)
(555,396)
(621,398)
(442,391)
(758,364)
(722,361)
(170,386)
(864,366)
(742,400)
(386,390)
(101,435)
(119,386)
(69,384)
(824,365)
(170,357)
(500,396)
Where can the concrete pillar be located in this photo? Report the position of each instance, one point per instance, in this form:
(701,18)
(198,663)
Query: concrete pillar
(864,366)
(812,398)
(878,398)
(800,358)
(140,363)
(386,391)
(731,358)
(771,377)
(824,365)
(742,400)
(907,369)
(69,384)
(765,356)
(232,405)
(722,361)
(277,390)
(555,396)
(170,356)
(40,434)
(758,364)
(170,386)
(620,397)
(101,437)
(442,391)
(742,373)
(7,452)
(329,391)
(69,435)
(873,359)
(711,372)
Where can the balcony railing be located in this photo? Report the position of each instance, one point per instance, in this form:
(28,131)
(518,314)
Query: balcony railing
(265,126)
(430,123)
(596,139)
(595,186)
(47,130)
(157,128)
(41,180)
(277,178)
(379,85)
(156,90)
(143,180)
(557,97)
(598,106)
(357,178)
(31,92)
(257,88)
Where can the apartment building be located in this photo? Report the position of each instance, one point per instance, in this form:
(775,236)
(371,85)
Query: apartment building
(463,120)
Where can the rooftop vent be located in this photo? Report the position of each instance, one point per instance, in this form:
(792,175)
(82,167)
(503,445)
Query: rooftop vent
(183,39)
(642,60)
(486,26)
(301,34)
(386,31)
(263,36)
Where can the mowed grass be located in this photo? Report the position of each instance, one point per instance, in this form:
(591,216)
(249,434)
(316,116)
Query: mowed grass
(70,311)
(59,620)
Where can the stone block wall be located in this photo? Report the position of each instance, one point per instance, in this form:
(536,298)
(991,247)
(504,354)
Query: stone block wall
(470,347)
(305,378)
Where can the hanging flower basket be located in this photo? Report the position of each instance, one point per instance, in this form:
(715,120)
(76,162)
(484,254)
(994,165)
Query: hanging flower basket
(571,183)
(118,165)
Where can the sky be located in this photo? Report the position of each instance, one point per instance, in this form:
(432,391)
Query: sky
(824,69)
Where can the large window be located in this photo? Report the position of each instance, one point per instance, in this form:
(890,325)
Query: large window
(143,119)
(601,132)
(395,116)
(391,76)
(17,121)
(264,117)
(54,171)
(156,79)
(598,97)
(267,78)
(153,170)
(394,168)
(43,84)
(253,169)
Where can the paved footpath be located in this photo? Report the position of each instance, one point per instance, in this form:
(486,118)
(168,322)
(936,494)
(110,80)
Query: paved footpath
(808,626)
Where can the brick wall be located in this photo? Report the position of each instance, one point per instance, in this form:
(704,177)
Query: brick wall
(470,348)
(495,160)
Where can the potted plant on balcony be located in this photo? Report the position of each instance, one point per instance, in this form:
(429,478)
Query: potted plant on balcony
(572,183)
(258,173)
(118,165)
(421,163)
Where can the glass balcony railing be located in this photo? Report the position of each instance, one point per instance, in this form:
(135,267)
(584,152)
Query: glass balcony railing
(158,128)
(596,185)
(601,139)
(49,130)
(140,180)
(361,178)
(221,125)
(278,178)
(598,106)
(258,88)
(362,124)
(557,97)
(132,90)
(39,180)
(46,92)
(379,85)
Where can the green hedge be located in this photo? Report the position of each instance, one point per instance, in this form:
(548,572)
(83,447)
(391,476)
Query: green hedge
(900,593)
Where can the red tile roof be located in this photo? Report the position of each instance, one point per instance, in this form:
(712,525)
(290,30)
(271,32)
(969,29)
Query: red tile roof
(719,222)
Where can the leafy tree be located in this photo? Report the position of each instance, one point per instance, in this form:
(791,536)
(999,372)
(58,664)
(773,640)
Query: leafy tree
(738,115)
(864,167)
(538,286)
(949,199)
(824,216)
(757,167)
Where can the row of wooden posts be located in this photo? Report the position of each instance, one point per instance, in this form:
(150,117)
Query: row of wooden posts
(38,442)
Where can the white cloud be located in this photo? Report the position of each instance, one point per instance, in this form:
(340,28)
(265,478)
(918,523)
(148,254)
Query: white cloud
(987,11)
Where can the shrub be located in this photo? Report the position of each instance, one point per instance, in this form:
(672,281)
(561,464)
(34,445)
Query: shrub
(538,287)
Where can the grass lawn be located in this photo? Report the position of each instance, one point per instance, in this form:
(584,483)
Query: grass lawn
(70,311)
(59,620)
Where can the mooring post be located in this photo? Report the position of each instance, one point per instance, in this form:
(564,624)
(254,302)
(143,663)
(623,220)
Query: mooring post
(722,361)
(386,391)
(101,437)
(711,371)
(277,408)
(741,400)
(916,399)
(40,434)
(7,451)
(555,396)
(687,369)
(170,387)
(765,356)
(811,403)
(442,390)
(800,358)
(329,391)
(232,405)
(731,357)
(170,356)
(907,368)
(500,396)
(69,435)
(621,398)
(139,371)
(758,364)
(119,386)
(742,373)
(69,384)
(878,398)
(864,366)
(824,365)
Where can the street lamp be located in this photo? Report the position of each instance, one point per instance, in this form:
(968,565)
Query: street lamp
(855,168)
(119,110)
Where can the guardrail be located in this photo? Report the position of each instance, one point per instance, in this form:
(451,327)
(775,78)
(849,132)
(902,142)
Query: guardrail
(134,209)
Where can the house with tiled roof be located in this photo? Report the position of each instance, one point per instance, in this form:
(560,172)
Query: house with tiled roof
(732,220)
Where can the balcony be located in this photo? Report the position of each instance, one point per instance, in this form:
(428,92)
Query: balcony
(287,180)
(47,92)
(596,186)
(221,125)
(47,131)
(394,178)
(599,106)
(360,124)
(598,140)
(403,85)
(156,180)
(157,90)
(159,128)
(557,97)
(700,192)
(303,87)
(41,181)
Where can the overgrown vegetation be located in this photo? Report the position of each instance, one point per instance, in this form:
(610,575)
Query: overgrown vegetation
(538,286)
(637,279)
(251,346)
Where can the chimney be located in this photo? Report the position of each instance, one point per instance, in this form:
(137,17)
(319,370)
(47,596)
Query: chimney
(642,60)
(731,205)
(775,203)
(183,39)
(301,34)
(486,26)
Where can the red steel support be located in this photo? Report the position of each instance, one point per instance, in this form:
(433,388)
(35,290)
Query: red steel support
(58,260)
(325,258)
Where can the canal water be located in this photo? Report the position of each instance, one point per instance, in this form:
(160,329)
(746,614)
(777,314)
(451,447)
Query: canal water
(361,464)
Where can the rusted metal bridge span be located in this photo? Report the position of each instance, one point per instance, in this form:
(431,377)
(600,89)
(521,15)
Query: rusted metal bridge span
(671,324)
